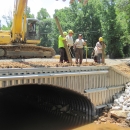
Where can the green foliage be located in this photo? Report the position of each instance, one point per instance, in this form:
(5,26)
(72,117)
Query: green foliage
(45,28)
(28,13)
(111,30)
(8,19)
(5,27)
(107,18)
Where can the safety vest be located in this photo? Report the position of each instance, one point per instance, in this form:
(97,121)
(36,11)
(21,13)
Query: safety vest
(60,41)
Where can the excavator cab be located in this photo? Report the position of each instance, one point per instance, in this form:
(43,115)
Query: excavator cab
(32,32)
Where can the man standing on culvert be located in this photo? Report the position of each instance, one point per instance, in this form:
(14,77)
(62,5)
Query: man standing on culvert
(99,46)
(70,42)
(78,47)
(63,55)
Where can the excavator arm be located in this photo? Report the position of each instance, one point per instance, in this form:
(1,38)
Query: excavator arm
(19,21)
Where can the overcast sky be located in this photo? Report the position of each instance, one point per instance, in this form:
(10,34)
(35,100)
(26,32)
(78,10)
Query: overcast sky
(35,6)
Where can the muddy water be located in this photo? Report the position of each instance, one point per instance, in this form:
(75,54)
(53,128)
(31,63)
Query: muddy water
(102,126)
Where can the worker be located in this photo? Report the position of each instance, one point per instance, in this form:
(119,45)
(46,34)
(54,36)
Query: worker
(78,47)
(63,55)
(31,27)
(70,42)
(99,49)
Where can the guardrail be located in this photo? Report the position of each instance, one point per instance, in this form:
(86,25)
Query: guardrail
(99,83)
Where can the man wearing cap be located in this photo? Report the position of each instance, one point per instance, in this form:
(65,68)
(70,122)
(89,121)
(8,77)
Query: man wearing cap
(63,55)
(70,42)
(99,49)
(78,45)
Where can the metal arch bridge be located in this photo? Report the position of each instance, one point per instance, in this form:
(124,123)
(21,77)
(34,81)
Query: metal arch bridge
(75,91)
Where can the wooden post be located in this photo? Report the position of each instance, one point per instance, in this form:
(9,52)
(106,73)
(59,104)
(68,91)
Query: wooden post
(86,53)
(65,45)
(103,53)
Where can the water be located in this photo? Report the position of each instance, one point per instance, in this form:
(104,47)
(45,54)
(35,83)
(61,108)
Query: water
(103,126)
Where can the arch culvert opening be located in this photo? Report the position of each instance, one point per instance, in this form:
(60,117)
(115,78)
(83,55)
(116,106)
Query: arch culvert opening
(43,106)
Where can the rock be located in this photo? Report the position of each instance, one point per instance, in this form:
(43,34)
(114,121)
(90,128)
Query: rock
(121,100)
(124,124)
(125,103)
(119,120)
(105,114)
(109,106)
(127,108)
(117,95)
(124,108)
(98,122)
(95,117)
(116,108)
(112,120)
(103,119)
(116,102)
(65,108)
(128,84)
(127,91)
(128,115)
(119,113)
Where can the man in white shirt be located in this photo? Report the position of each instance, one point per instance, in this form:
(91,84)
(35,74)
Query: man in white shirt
(78,45)
(70,42)
(99,49)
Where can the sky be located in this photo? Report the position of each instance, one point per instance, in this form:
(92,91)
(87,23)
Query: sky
(35,6)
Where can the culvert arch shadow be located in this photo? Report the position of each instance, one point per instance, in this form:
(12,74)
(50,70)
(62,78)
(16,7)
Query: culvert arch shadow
(63,104)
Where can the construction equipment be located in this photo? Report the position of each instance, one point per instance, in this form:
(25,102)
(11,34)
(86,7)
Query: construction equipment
(22,39)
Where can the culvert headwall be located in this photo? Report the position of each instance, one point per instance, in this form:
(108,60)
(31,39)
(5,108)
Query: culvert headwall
(97,83)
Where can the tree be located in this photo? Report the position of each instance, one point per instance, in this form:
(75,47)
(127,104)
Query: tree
(28,13)
(45,27)
(123,18)
(110,28)
(8,18)
(81,19)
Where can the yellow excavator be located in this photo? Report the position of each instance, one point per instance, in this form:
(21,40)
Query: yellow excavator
(21,41)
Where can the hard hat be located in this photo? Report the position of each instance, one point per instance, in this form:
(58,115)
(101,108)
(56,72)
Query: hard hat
(64,33)
(70,31)
(100,39)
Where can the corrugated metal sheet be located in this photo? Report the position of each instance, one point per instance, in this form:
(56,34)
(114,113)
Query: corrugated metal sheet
(98,83)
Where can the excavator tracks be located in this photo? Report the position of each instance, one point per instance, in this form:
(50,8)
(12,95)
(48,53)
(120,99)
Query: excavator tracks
(25,51)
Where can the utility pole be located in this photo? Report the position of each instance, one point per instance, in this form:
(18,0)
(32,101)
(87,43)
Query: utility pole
(65,45)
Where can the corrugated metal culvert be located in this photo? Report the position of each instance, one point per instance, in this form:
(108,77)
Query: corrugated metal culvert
(64,103)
